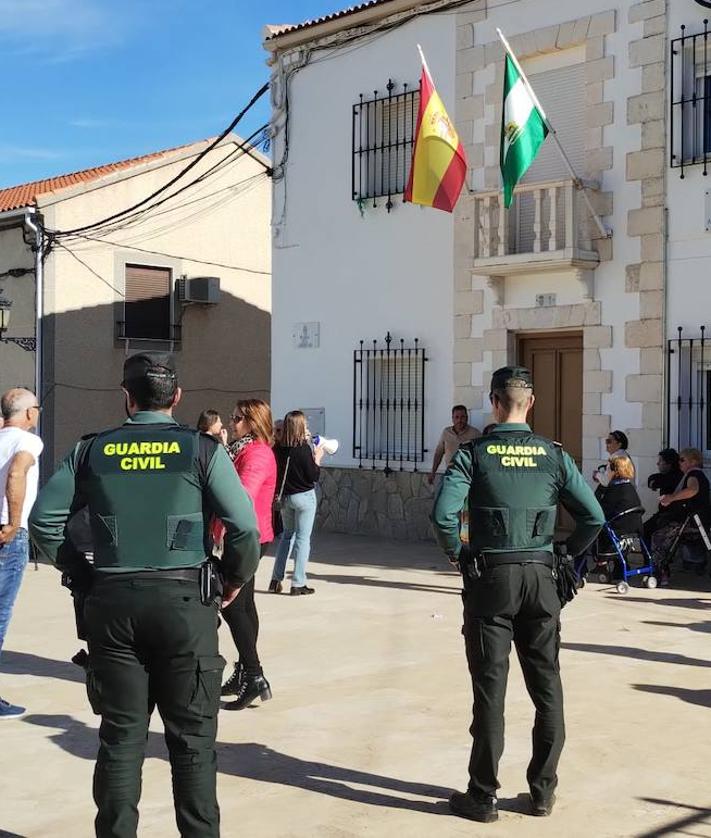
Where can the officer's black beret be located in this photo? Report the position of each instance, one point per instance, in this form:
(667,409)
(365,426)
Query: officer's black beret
(511,377)
(149,365)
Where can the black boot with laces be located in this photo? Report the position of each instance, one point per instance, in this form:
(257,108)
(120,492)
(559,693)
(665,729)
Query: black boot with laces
(232,684)
(251,688)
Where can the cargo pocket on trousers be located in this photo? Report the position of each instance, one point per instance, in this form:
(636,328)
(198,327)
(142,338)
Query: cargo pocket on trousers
(93,691)
(205,699)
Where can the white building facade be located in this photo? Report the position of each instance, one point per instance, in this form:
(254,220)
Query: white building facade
(591,314)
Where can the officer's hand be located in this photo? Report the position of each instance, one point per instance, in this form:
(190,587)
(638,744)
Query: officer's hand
(7,534)
(229,595)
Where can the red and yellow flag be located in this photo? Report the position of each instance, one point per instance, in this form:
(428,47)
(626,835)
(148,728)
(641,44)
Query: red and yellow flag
(439,164)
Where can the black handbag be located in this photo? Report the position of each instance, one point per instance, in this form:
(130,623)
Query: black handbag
(277,523)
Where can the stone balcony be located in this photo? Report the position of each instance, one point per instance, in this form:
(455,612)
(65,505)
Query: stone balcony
(546,229)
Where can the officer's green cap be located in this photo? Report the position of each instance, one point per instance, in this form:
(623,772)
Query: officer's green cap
(511,377)
(149,365)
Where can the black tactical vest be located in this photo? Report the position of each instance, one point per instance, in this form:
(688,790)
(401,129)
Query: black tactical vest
(516,478)
(143,486)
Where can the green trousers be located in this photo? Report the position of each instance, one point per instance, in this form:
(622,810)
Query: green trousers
(516,603)
(153,643)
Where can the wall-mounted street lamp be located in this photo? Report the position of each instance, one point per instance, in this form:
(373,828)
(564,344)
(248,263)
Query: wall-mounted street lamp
(5,306)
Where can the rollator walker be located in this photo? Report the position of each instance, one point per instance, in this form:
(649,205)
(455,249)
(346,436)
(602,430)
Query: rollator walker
(625,555)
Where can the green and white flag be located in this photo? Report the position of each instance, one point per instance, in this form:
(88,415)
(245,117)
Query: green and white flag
(523,130)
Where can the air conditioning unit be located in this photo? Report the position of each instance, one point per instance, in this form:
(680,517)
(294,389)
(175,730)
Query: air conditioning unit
(204,290)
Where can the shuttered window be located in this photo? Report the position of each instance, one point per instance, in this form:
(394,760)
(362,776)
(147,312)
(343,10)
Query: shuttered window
(147,305)
(561,91)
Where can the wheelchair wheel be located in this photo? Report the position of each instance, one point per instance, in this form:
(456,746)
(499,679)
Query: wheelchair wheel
(622,587)
(651,582)
(603,578)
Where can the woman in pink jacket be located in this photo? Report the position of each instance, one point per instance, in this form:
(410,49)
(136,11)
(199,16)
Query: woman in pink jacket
(254,460)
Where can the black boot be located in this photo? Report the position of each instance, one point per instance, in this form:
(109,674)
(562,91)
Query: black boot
(233,683)
(251,688)
(483,809)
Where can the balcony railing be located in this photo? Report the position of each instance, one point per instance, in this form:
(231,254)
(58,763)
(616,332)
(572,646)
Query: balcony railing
(546,228)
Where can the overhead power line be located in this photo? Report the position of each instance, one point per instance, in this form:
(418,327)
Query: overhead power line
(173,180)
(169,255)
(139,215)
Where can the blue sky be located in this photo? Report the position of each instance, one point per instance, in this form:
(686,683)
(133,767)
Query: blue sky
(91,81)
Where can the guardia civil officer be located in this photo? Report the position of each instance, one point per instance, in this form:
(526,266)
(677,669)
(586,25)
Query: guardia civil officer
(151,487)
(512,480)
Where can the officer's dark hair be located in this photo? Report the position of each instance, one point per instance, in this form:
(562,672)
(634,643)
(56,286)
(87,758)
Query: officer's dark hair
(621,437)
(206,420)
(460,407)
(670,457)
(155,390)
(513,396)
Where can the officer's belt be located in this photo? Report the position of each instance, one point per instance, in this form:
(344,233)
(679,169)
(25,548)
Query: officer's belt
(488,560)
(182,574)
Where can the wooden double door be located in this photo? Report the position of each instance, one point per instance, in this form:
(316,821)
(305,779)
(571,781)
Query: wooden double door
(556,362)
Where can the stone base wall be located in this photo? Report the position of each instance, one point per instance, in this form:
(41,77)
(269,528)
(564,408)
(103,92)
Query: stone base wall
(366,502)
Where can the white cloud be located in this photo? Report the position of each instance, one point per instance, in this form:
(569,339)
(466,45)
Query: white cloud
(16,152)
(62,30)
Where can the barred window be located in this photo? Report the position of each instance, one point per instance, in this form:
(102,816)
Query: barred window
(690,127)
(388,404)
(383,136)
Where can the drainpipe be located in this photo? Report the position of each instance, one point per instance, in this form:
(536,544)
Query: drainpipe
(32,223)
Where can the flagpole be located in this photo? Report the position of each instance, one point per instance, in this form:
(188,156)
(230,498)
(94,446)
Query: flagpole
(424,60)
(604,232)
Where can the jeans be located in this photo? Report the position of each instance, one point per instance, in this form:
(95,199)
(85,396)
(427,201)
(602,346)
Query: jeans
(298,514)
(13,561)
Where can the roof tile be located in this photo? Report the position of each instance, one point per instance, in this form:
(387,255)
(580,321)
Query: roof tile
(25,195)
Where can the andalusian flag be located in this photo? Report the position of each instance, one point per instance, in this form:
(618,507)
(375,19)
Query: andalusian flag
(439,164)
(523,130)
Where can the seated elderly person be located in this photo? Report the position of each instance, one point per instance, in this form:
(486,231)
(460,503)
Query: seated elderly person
(616,494)
(620,494)
(691,497)
(664,481)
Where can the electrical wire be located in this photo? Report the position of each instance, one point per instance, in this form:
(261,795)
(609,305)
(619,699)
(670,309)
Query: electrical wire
(172,256)
(171,226)
(237,153)
(177,177)
(90,269)
(138,216)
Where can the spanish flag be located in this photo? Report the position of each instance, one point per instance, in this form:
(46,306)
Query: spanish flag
(439,164)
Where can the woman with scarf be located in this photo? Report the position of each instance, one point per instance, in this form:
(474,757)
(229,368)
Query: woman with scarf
(254,461)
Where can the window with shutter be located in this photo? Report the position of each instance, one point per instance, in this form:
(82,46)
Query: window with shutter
(561,92)
(147,304)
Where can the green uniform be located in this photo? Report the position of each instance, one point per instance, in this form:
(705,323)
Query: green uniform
(513,480)
(151,488)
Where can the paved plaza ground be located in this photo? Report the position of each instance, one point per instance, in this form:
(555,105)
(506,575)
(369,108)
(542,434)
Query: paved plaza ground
(367,731)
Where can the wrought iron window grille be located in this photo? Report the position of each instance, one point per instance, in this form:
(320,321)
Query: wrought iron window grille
(383,137)
(388,404)
(690,124)
(688,375)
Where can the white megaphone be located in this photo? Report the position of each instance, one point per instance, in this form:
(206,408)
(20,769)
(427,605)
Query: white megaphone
(330,446)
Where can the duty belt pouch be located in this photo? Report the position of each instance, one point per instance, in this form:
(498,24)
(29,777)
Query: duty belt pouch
(211,582)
